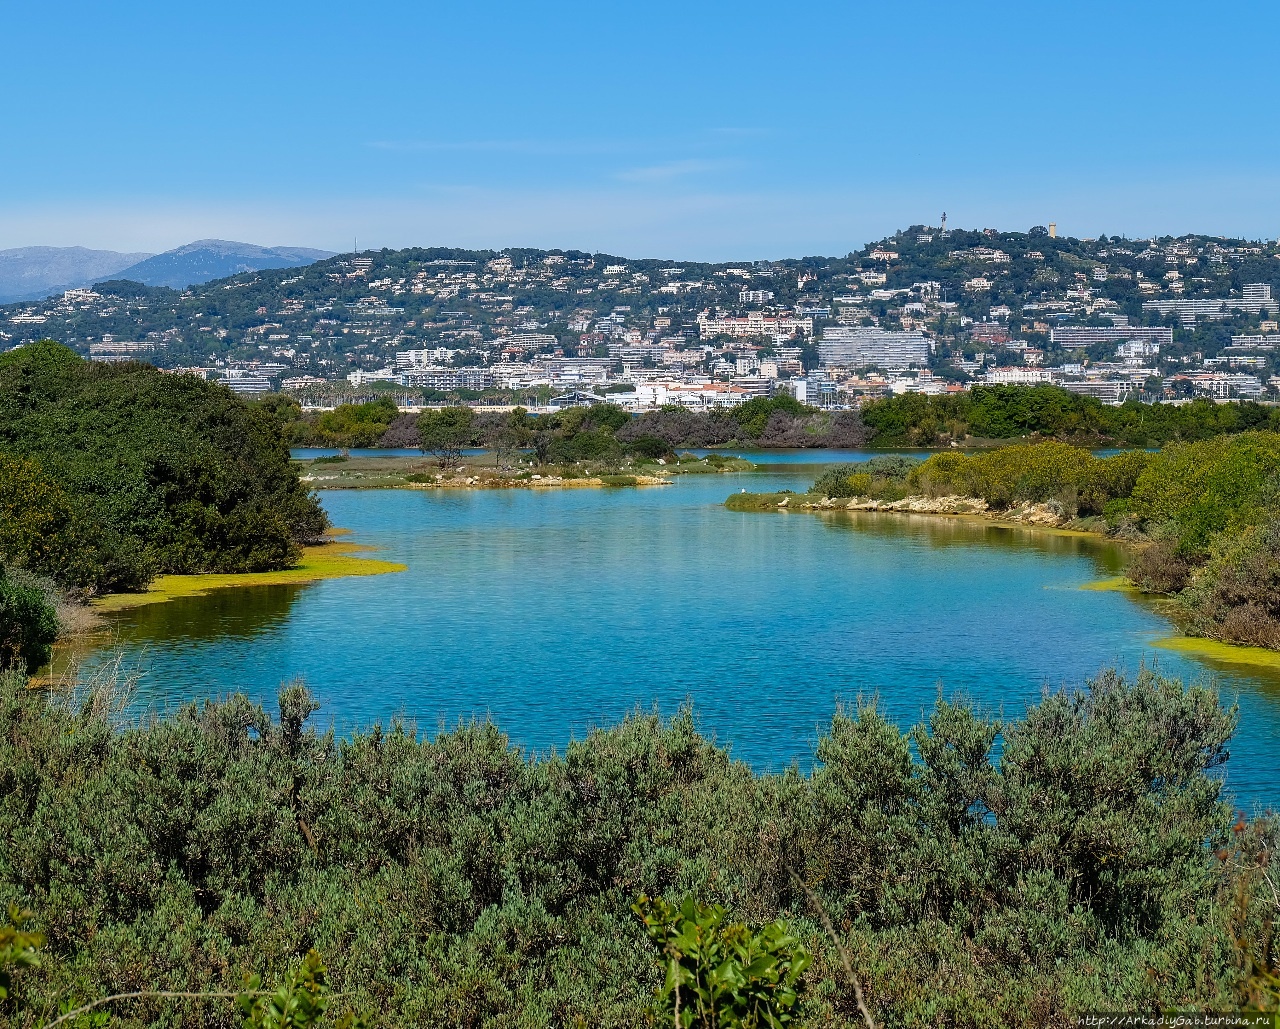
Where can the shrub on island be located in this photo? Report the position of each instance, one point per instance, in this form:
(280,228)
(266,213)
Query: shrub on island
(112,473)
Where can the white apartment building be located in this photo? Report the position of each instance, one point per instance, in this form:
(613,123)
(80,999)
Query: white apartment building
(1083,336)
(360,377)
(697,396)
(1255,298)
(526,340)
(448,378)
(1018,376)
(756,323)
(119,350)
(1110,391)
(1137,348)
(754,296)
(846,346)
(421,358)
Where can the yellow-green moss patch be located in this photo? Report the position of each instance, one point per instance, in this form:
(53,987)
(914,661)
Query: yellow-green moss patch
(1115,584)
(325,561)
(1227,653)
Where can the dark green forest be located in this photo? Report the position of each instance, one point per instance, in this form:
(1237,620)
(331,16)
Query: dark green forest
(111,474)
(1007,412)
(976,871)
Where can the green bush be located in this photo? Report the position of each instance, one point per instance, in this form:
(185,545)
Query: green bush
(969,865)
(718,974)
(447,432)
(347,425)
(1010,412)
(754,415)
(592,445)
(650,447)
(133,472)
(28,623)
(1031,473)
(837,481)
(1235,595)
(1203,489)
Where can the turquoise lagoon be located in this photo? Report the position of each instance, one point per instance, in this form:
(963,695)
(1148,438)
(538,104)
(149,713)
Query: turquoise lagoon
(556,611)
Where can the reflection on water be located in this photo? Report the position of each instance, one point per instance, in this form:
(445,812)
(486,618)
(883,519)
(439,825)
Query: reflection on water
(952,531)
(554,611)
(235,614)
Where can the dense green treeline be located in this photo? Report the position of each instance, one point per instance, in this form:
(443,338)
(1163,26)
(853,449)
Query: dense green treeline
(907,420)
(1006,412)
(110,474)
(1205,515)
(975,872)
(347,425)
(779,421)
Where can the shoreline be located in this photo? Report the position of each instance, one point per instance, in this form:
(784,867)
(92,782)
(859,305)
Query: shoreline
(1034,517)
(334,559)
(1237,654)
(1026,516)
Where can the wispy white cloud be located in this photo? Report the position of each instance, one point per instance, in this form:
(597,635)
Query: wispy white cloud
(673,170)
(533,147)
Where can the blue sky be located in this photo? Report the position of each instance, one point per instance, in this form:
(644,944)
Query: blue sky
(684,130)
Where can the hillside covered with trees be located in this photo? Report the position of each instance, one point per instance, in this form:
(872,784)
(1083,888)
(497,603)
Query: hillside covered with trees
(356,311)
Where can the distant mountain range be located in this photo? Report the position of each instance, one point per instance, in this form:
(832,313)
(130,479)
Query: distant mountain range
(32,273)
(207,259)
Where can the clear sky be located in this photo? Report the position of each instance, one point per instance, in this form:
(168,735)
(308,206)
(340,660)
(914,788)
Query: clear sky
(684,130)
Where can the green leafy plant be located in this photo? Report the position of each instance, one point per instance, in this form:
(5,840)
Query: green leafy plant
(299,1002)
(723,975)
(18,948)
(28,624)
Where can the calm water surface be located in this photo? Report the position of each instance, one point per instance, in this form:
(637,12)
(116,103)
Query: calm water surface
(556,611)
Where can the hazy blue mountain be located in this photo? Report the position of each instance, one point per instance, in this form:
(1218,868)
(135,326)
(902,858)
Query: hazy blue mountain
(32,273)
(207,259)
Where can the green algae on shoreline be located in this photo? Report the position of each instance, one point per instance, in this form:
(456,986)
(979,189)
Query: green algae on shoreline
(331,560)
(1114,584)
(1226,653)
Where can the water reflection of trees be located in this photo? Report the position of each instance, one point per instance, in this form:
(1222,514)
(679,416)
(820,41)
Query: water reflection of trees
(241,613)
(943,531)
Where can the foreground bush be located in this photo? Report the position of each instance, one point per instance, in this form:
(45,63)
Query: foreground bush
(975,872)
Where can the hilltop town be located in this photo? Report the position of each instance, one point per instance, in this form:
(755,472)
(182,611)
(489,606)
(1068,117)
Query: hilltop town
(928,310)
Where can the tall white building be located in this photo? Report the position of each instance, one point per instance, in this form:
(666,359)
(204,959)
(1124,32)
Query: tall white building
(1083,336)
(756,323)
(859,347)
